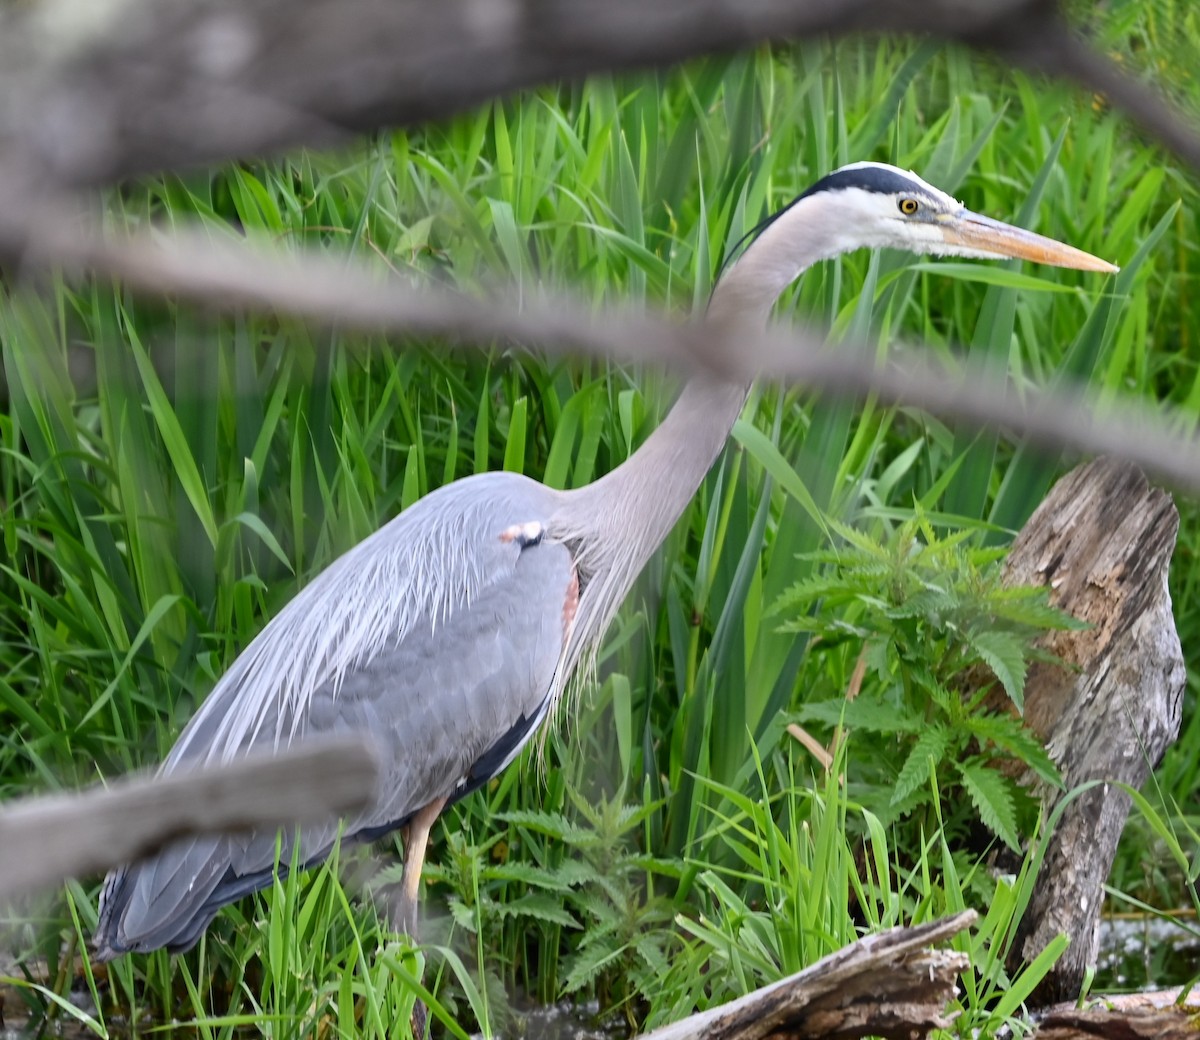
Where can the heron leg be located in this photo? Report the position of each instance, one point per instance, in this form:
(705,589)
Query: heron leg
(403,912)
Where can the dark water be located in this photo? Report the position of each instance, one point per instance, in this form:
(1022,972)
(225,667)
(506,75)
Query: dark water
(1144,953)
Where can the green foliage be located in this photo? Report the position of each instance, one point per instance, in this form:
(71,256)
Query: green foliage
(936,631)
(583,873)
(810,870)
(170,480)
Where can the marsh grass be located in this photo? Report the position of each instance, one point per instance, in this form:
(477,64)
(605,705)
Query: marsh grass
(170,481)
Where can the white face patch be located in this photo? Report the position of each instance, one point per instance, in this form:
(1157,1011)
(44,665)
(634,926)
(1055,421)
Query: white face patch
(890,209)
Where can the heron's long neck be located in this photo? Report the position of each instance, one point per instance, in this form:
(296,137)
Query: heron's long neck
(640,500)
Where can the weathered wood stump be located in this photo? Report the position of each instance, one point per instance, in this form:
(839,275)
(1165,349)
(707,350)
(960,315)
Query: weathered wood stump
(1101,541)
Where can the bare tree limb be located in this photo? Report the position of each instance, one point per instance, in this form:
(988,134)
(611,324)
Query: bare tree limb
(231,275)
(95,90)
(44,840)
(100,89)
(1055,50)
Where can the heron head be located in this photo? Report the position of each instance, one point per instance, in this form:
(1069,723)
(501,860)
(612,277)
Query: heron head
(884,206)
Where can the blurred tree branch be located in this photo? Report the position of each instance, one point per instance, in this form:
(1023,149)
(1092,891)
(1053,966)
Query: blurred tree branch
(95,90)
(46,839)
(237,274)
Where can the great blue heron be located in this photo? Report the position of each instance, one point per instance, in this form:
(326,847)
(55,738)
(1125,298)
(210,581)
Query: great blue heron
(449,634)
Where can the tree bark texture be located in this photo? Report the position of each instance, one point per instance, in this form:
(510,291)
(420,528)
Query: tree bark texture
(1102,541)
(1126,1020)
(890,985)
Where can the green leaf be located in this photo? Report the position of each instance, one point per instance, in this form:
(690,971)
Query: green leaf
(926,754)
(514,447)
(186,471)
(1010,735)
(554,825)
(991,794)
(253,522)
(984,274)
(589,962)
(764,451)
(540,907)
(1004,654)
(526,874)
(1028,980)
(464,916)
(863,713)
(1027,606)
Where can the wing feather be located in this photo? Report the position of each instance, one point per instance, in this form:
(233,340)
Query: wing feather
(418,571)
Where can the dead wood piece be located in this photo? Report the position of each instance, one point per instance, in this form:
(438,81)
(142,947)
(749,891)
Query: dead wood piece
(890,985)
(1138,1023)
(44,840)
(1102,541)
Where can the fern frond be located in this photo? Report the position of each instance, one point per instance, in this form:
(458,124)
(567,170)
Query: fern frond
(992,796)
(1004,654)
(930,749)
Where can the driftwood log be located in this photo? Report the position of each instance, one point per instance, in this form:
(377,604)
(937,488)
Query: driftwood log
(890,985)
(1162,1015)
(44,840)
(1102,541)
(1129,1023)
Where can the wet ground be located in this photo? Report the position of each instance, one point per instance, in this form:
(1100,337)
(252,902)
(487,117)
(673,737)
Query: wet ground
(566,1021)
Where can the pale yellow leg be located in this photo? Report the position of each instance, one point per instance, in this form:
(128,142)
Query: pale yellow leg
(416,841)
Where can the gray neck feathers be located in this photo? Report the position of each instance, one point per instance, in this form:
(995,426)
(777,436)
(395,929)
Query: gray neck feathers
(616,523)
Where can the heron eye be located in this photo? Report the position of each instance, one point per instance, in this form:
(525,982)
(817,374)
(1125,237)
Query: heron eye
(909,206)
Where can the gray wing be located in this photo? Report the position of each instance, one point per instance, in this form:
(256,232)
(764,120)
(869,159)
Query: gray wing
(440,636)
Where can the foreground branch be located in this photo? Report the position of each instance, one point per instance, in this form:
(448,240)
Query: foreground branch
(156,84)
(93,92)
(233,275)
(44,840)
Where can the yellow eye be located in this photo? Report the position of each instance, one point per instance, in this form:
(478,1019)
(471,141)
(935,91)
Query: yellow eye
(909,206)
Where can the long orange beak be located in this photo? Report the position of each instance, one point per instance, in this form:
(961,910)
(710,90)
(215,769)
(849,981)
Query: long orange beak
(997,239)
